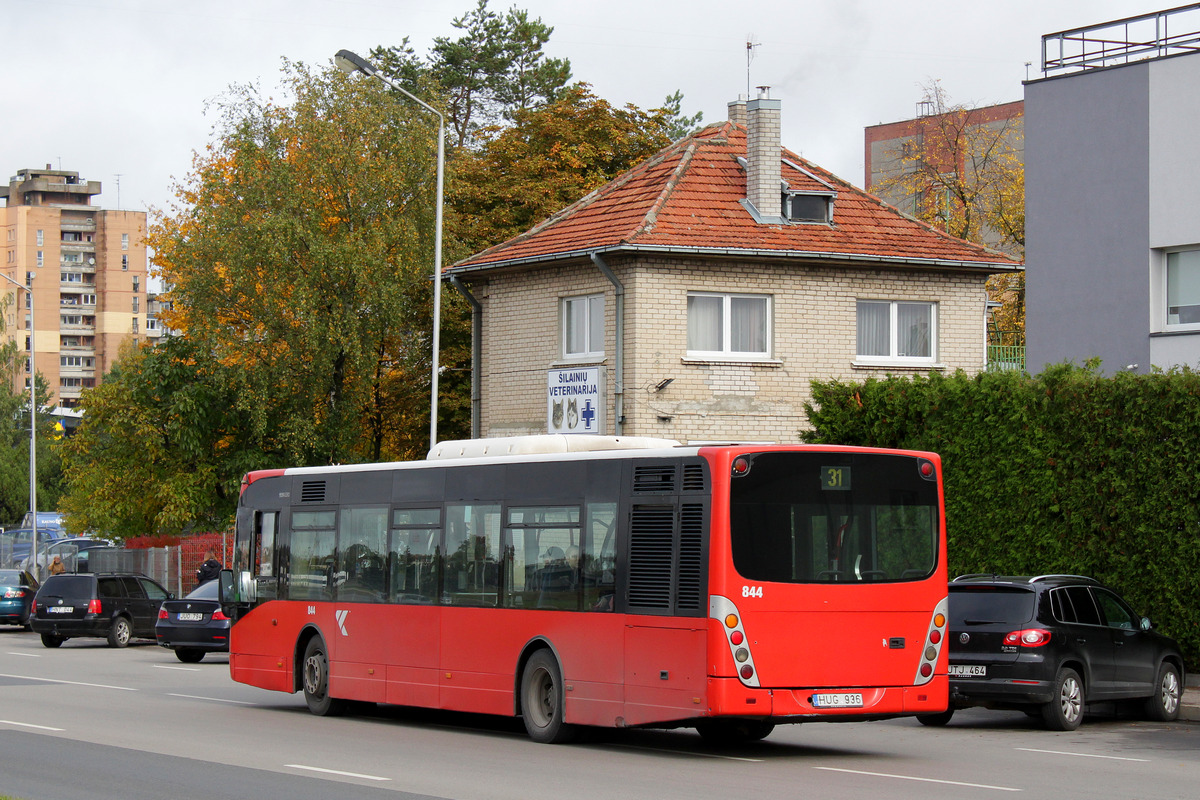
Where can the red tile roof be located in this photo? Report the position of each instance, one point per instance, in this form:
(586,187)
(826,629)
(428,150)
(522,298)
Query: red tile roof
(686,199)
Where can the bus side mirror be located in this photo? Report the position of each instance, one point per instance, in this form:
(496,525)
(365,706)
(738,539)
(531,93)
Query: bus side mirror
(227,593)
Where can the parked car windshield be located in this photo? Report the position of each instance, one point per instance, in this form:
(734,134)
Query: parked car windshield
(979,605)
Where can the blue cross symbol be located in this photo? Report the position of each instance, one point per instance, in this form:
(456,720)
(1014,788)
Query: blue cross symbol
(588,415)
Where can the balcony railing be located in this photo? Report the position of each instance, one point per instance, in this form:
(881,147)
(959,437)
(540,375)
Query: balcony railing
(1006,356)
(1106,44)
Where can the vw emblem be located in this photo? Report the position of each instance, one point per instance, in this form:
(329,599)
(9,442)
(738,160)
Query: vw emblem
(60,602)
(963,638)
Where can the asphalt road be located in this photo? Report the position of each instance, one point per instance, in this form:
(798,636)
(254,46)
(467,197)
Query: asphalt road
(88,722)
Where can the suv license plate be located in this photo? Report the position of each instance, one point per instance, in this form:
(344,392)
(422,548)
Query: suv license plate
(959,670)
(59,609)
(189,616)
(838,700)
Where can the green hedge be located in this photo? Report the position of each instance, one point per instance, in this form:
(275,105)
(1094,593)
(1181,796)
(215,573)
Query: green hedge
(1069,471)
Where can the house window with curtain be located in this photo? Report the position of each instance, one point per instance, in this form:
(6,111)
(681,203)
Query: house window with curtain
(583,326)
(728,325)
(892,331)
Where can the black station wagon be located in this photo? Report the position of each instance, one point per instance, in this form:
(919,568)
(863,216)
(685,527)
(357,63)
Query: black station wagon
(1051,644)
(117,607)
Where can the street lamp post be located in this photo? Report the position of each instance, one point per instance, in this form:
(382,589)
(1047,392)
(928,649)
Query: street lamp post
(32,419)
(350,63)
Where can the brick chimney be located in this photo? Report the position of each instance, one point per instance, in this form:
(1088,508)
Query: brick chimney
(737,111)
(763,155)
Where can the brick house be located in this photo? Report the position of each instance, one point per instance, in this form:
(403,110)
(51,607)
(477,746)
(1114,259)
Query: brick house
(696,296)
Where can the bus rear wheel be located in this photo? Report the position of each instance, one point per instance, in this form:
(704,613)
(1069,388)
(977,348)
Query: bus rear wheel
(734,731)
(316,681)
(542,700)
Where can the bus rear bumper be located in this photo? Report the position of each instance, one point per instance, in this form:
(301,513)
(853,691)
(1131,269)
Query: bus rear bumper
(730,697)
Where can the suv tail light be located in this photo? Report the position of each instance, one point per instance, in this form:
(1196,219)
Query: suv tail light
(94,606)
(1030,637)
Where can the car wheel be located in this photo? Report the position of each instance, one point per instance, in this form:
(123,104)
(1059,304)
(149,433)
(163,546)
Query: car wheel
(50,640)
(542,700)
(1163,705)
(189,655)
(1065,711)
(316,681)
(734,731)
(119,633)
(936,720)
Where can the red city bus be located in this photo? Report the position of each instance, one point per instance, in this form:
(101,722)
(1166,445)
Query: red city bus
(727,588)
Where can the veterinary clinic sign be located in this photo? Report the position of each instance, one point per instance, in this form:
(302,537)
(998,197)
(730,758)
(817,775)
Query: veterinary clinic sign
(574,400)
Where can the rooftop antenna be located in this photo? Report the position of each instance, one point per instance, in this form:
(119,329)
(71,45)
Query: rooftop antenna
(750,45)
(118,177)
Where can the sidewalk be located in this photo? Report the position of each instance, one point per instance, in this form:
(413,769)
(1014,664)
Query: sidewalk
(1189,704)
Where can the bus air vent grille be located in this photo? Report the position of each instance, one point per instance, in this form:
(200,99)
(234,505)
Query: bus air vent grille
(312,492)
(650,552)
(658,478)
(693,478)
(690,588)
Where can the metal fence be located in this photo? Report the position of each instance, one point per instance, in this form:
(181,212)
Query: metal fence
(163,564)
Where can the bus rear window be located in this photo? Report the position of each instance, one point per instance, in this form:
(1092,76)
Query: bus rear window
(831,518)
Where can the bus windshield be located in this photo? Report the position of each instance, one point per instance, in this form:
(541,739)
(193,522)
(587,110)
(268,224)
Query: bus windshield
(799,517)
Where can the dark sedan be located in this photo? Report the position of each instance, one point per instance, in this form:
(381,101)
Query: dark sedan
(17,588)
(194,625)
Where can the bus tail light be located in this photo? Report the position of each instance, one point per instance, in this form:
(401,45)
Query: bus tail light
(935,638)
(722,609)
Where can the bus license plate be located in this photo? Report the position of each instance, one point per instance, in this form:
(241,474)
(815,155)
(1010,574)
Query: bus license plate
(959,670)
(838,700)
(59,610)
(189,616)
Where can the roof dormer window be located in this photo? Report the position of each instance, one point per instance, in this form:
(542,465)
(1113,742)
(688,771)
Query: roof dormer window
(808,207)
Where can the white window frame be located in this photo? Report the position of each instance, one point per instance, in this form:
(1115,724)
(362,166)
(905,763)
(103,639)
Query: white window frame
(1193,256)
(590,305)
(893,358)
(726,351)
(124,241)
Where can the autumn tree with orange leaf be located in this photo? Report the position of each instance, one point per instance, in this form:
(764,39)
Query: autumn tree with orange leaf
(964,173)
(300,254)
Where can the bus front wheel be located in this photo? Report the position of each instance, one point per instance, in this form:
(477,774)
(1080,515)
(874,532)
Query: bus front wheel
(542,700)
(316,681)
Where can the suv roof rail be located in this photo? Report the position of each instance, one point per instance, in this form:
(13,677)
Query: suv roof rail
(1061,575)
(973,575)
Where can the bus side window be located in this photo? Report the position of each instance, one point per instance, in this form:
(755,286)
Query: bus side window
(362,547)
(471,564)
(412,555)
(598,562)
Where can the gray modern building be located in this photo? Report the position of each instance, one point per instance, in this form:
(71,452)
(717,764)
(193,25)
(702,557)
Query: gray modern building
(1112,195)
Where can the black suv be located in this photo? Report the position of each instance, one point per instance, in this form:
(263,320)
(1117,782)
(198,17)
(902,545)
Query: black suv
(118,607)
(1051,644)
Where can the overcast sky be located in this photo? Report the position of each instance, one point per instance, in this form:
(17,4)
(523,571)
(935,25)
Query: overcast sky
(120,87)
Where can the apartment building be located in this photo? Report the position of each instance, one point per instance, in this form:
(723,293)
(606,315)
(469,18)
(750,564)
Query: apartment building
(87,269)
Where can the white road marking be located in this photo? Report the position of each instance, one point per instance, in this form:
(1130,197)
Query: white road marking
(67,683)
(337,772)
(29,725)
(182,669)
(210,699)
(923,780)
(1081,755)
(688,753)
(26,655)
